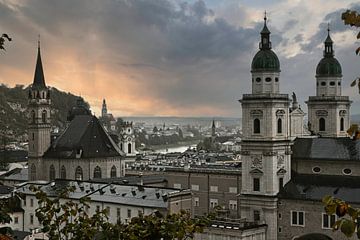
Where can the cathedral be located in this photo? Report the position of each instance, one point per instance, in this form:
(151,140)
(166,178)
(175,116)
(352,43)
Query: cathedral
(286,172)
(84,151)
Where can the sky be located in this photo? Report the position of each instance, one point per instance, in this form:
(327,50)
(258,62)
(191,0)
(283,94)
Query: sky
(172,57)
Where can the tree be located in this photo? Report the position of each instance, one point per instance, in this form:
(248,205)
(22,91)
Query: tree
(348,216)
(4,37)
(70,220)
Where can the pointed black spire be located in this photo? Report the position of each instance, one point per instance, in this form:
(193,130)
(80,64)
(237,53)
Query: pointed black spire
(265,43)
(39,79)
(213,129)
(329,51)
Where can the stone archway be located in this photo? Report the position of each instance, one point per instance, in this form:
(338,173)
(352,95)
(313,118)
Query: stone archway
(313,236)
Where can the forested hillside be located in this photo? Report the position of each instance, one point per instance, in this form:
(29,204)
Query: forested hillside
(13,102)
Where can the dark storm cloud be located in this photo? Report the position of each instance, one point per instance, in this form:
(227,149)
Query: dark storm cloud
(188,56)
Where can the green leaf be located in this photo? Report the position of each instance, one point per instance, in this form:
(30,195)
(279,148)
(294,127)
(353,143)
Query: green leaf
(327,199)
(348,227)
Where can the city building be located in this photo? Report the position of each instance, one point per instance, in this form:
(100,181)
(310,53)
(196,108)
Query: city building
(123,201)
(83,151)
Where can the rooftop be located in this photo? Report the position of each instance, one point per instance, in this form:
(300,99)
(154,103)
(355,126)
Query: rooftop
(132,195)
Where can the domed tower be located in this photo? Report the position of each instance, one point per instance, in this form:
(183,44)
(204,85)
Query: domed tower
(266,143)
(39,119)
(328,110)
(265,67)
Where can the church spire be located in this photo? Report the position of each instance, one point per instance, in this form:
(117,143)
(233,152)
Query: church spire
(329,51)
(265,43)
(39,79)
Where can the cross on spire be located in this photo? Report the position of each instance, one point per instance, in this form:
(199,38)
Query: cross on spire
(265,18)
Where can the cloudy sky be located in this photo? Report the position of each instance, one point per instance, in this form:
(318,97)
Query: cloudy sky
(172,57)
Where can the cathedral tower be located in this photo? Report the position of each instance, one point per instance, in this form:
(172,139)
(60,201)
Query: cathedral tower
(39,118)
(265,154)
(329,114)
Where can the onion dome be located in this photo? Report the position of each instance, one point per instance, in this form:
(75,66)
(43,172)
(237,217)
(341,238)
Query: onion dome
(328,66)
(265,59)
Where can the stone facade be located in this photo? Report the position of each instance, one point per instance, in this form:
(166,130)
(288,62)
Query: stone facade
(313,220)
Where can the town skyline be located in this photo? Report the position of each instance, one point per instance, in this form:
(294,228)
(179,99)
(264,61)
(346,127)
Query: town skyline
(165,58)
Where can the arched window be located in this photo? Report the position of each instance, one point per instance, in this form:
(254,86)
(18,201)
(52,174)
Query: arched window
(256,125)
(258,80)
(43,116)
(113,172)
(63,172)
(97,172)
(33,172)
(268,79)
(52,173)
(121,146)
(33,116)
(342,124)
(79,173)
(321,124)
(279,126)
(129,148)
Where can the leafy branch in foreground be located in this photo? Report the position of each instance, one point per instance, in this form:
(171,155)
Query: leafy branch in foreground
(64,218)
(348,216)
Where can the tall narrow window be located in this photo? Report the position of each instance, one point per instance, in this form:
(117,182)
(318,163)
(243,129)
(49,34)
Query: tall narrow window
(256,184)
(256,215)
(43,116)
(33,116)
(341,124)
(129,148)
(97,172)
(256,125)
(52,173)
(321,124)
(113,172)
(79,173)
(33,172)
(63,172)
(279,126)
(281,183)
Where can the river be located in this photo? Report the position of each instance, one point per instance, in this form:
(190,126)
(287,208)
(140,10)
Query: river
(176,149)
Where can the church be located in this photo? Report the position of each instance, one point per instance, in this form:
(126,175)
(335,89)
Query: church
(84,151)
(285,174)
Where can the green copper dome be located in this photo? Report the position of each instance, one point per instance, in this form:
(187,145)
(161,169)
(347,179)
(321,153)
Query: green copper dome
(265,60)
(328,66)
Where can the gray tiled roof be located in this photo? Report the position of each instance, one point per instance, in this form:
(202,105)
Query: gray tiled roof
(84,133)
(132,195)
(326,148)
(316,186)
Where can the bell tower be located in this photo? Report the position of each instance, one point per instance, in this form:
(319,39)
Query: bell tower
(266,159)
(39,119)
(329,111)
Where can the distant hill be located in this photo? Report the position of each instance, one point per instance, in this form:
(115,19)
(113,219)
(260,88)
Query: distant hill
(182,121)
(13,103)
